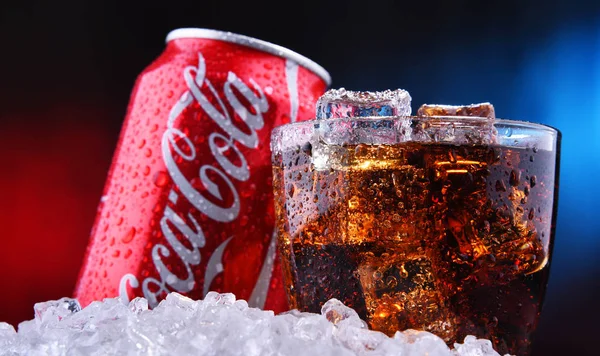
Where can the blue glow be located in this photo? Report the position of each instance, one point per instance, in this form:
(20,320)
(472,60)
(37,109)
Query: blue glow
(553,81)
(560,86)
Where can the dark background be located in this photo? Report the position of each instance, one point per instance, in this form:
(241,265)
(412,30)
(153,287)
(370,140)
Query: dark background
(67,68)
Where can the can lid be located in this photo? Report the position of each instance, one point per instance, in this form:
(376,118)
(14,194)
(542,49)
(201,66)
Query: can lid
(254,43)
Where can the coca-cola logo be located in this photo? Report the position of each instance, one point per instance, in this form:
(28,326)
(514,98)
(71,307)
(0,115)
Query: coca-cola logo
(175,143)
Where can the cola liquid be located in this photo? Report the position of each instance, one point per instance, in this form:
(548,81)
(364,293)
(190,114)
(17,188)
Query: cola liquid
(451,239)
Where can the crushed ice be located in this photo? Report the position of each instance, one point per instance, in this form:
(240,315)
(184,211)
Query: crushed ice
(217,325)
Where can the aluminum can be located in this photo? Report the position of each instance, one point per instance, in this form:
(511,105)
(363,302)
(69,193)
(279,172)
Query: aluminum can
(188,202)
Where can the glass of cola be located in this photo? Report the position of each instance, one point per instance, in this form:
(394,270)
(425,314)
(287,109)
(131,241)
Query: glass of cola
(442,221)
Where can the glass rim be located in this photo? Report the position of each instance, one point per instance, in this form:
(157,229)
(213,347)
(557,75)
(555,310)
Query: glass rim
(460,119)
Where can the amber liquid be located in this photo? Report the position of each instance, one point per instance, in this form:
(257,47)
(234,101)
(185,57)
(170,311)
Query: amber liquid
(454,240)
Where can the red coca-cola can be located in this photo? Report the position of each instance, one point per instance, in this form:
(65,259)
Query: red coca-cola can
(187,206)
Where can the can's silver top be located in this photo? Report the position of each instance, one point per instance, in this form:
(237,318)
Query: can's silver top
(254,43)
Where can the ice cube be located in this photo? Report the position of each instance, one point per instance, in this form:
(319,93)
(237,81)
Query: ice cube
(478,110)
(329,273)
(474,124)
(342,103)
(474,347)
(51,312)
(138,305)
(7,335)
(216,298)
(58,308)
(402,293)
(359,340)
(390,107)
(6,330)
(339,314)
(423,342)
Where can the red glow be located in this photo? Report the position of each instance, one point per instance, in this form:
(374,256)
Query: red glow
(54,164)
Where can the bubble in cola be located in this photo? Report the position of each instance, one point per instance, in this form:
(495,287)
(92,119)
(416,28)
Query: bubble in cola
(415,222)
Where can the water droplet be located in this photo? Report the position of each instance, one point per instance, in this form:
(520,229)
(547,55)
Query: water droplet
(361,150)
(486,227)
(244,220)
(451,156)
(142,143)
(500,187)
(509,132)
(307,148)
(291,190)
(129,236)
(391,281)
(127,253)
(514,178)
(146,170)
(403,271)
(116,253)
(119,221)
(397,180)
(531,214)
(161,179)
(532,181)
(147,152)
(353,202)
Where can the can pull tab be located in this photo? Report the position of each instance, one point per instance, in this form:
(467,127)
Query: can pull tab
(342,103)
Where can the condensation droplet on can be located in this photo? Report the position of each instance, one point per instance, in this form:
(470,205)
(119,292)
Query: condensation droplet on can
(161,179)
(128,237)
